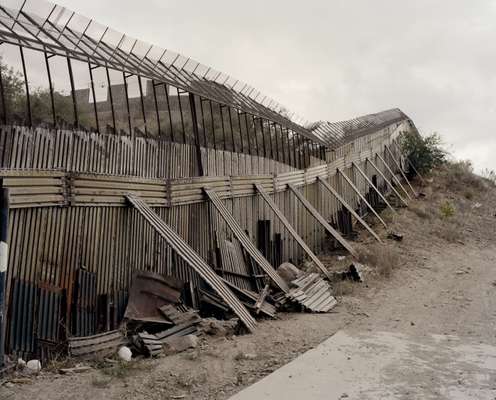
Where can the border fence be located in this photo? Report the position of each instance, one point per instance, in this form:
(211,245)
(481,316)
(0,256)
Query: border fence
(91,117)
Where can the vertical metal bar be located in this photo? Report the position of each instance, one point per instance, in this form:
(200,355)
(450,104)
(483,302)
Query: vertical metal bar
(154,89)
(194,120)
(247,130)
(263,138)
(166,88)
(213,124)
(294,149)
(223,127)
(94,97)
(2,94)
(278,155)
(140,86)
(203,124)
(255,132)
(111,98)
(26,84)
(50,85)
(231,127)
(73,92)
(240,133)
(127,105)
(4,250)
(181,113)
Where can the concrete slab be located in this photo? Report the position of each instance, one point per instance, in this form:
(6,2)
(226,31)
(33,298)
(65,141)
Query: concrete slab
(384,366)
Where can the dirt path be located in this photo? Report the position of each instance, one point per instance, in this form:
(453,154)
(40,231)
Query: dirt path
(445,284)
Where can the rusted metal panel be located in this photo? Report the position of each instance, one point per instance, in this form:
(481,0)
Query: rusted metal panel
(193,259)
(149,292)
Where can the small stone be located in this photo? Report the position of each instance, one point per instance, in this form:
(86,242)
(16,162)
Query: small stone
(125,353)
(21,364)
(181,343)
(9,385)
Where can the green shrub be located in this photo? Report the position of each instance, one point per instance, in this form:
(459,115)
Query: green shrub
(424,152)
(447,210)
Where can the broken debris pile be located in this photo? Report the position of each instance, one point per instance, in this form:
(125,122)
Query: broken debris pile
(309,291)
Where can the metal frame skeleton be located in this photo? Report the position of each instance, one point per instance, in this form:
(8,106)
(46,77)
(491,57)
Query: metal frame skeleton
(391,186)
(398,165)
(369,182)
(291,230)
(393,176)
(331,190)
(313,211)
(244,239)
(361,196)
(193,259)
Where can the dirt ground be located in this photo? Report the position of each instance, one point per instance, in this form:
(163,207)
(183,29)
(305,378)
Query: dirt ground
(441,279)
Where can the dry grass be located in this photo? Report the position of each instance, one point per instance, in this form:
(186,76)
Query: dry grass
(343,287)
(420,210)
(383,258)
(450,231)
(459,177)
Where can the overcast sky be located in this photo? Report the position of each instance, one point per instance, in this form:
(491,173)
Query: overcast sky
(334,60)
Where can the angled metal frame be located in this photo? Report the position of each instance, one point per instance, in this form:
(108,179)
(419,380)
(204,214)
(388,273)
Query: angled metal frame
(369,182)
(398,165)
(391,186)
(335,193)
(193,259)
(393,175)
(56,30)
(361,196)
(244,239)
(313,211)
(291,230)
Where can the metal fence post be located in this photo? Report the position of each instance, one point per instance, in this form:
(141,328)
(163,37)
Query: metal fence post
(4,258)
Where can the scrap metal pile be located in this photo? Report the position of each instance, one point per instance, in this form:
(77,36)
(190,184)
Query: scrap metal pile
(157,320)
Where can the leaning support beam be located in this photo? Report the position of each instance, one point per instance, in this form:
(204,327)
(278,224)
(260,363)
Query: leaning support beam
(391,186)
(410,163)
(245,240)
(364,175)
(361,196)
(401,170)
(291,230)
(311,209)
(348,207)
(193,259)
(393,175)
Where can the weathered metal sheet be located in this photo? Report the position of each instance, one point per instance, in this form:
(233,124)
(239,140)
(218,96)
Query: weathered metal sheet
(193,259)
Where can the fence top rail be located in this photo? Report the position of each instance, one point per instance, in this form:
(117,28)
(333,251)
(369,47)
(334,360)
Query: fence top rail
(45,26)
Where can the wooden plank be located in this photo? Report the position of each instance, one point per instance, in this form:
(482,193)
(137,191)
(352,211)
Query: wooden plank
(292,231)
(192,258)
(311,209)
(245,240)
(361,196)
(349,208)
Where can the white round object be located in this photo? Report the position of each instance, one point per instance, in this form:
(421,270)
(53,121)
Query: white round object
(125,353)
